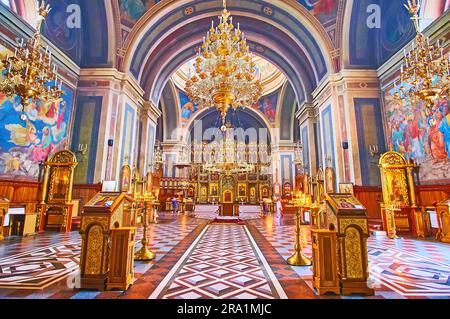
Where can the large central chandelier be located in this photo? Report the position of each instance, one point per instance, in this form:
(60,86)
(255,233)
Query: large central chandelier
(29,73)
(224,71)
(425,70)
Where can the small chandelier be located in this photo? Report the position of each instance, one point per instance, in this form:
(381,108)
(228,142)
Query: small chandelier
(224,70)
(29,73)
(425,70)
(229,156)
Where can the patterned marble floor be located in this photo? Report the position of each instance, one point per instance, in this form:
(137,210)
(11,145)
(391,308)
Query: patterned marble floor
(195,260)
(223,264)
(402,268)
(41,261)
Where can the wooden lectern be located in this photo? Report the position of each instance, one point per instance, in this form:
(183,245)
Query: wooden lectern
(103,217)
(55,207)
(348,217)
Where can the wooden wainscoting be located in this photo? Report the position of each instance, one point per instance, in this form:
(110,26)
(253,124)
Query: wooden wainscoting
(84,193)
(370,197)
(427,195)
(27,194)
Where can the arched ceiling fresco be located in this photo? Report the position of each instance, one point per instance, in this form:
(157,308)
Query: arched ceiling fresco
(304,39)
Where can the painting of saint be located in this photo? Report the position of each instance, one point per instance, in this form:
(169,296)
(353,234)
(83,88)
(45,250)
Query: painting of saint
(187,107)
(60,182)
(345,204)
(104,201)
(325,10)
(346,188)
(287,188)
(444,128)
(132,10)
(330,181)
(214,190)
(423,138)
(25,144)
(242,190)
(203,192)
(436,141)
(268,106)
(125,178)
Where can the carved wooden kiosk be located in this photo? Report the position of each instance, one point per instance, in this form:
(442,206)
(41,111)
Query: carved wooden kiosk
(398,190)
(107,232)
(443,212)
(347,216)
(4,207)
(55,207)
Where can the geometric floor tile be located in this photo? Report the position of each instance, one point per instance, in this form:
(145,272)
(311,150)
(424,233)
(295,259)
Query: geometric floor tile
(42,267)
(398,268)
(222,264)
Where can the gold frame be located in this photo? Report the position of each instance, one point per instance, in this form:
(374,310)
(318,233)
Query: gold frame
(342,188)
(211,185)
(63,160)
(394,167)
(239,190)
(125,171)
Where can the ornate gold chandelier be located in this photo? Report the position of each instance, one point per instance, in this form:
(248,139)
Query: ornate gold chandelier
(228,156)
(425,70)
(225,74)
(29,73)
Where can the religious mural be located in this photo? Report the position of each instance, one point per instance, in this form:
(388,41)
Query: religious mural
(25,144)
(132,10)
(325,10)
(425,139)
(268,106)
(187,107)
